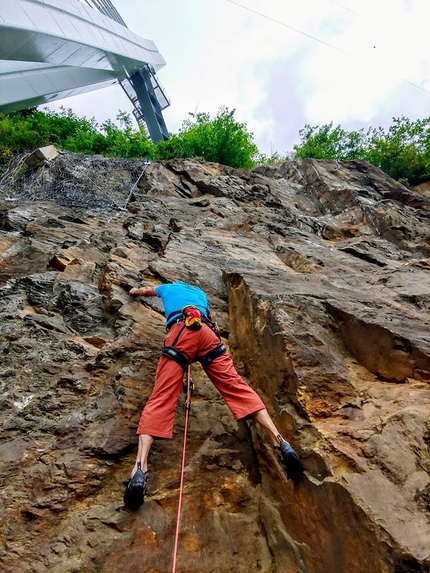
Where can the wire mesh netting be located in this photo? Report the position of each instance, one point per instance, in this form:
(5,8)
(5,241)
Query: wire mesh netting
(72,179)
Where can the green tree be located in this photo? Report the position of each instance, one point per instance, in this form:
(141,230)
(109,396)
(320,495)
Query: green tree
(26,130)
(403,151)
(220,139)
(124,142)
(326,142)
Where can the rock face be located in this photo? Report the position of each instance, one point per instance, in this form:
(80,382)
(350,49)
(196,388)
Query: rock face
(318,275)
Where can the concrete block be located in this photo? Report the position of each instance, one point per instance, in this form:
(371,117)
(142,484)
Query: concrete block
(41,156)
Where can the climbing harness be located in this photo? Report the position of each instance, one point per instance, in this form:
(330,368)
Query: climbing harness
(174,354)
(192,318)
(187,406)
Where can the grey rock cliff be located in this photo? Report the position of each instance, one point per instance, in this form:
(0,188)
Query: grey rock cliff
(318,275)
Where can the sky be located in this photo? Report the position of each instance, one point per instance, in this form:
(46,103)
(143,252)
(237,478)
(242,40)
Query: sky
(281,64)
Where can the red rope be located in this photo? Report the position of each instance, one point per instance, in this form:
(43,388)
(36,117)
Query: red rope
(181,484)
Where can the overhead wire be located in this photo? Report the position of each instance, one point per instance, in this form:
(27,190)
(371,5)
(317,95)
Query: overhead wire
(380,68)
(349,10)
(380,24)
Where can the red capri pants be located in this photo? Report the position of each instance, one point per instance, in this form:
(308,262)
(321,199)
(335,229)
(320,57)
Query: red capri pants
(159,412)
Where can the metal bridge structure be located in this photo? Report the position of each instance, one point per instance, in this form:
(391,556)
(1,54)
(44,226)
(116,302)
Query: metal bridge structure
(53,49)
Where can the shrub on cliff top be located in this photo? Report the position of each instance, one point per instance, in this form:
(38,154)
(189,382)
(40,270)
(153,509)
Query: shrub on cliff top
(220,139)
(403,151)
(28,129)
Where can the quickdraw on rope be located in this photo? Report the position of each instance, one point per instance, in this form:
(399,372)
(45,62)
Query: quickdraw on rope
(187,407)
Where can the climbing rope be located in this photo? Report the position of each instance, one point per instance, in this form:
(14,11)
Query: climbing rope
(187,407)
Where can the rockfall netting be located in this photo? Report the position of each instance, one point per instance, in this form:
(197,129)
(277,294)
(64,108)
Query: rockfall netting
(73,180)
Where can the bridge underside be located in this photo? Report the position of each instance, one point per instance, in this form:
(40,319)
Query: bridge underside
(53,49)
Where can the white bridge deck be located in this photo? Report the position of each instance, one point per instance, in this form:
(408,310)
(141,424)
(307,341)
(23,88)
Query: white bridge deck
(52,49)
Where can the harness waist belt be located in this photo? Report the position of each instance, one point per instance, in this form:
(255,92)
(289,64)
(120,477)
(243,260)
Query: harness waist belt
(173,322)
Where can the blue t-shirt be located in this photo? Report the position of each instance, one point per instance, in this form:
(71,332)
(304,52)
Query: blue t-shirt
(176,295)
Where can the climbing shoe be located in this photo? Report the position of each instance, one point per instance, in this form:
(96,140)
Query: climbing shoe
(290,460)
(134,494)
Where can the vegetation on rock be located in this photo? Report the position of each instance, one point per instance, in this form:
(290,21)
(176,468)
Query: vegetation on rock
(220,139)
(402,151)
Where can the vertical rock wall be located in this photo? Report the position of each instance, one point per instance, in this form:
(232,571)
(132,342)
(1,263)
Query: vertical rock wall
(318,275)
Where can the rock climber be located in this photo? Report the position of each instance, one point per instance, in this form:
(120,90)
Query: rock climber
(191,336)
